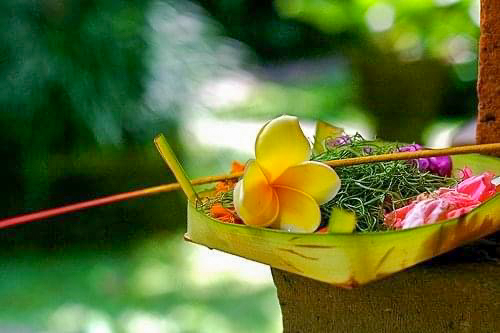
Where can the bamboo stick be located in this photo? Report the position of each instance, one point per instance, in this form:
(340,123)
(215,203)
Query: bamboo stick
(31,217)
(481,149)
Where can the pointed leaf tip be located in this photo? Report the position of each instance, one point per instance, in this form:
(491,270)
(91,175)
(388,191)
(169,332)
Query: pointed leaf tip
(324,130)
(169,157)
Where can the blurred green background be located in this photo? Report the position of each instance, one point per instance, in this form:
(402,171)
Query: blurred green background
(85,85)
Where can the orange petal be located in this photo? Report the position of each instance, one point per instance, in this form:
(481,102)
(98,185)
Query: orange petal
(222,187)
(255,201)
(314,178)
(221,213)
(298,211)
(236,166)
(281,144)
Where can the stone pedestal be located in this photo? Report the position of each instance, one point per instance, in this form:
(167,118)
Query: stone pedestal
(457,292)
(488,84)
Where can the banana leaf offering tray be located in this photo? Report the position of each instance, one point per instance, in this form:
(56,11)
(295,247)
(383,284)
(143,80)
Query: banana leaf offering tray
(329,211)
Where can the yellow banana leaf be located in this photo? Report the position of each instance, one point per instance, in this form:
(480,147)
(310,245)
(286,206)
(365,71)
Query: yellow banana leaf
(352,259)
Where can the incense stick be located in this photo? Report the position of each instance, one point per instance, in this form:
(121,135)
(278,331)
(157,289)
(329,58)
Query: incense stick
(31,217)
(484,148)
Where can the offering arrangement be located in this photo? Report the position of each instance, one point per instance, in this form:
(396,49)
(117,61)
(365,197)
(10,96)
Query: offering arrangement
(346,225)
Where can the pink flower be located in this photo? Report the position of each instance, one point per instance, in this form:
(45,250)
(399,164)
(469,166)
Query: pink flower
(465,173)
(444,203)
(478,187)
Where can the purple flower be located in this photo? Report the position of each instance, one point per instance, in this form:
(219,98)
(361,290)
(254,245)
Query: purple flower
(413,147)
(368,150)
(440,165)
(423,164)
(339,141)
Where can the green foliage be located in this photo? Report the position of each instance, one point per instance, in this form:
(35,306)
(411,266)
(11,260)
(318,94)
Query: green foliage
(386,38)
(272,36)
(322,99)
(72,70)
(85,87)
(371,189)
(411,28)
(72,80)
(159,285)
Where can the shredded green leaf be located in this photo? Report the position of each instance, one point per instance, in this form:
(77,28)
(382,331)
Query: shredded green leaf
(224,198)
(369,190)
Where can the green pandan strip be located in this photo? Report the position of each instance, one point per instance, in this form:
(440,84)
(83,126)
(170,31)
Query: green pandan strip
(349,260)
(169,157)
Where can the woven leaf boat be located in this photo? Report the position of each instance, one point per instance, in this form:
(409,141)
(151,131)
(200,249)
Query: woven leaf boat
(342,259)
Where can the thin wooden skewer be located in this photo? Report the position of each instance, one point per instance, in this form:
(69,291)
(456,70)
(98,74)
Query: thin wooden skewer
(484,148)
(43,214)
